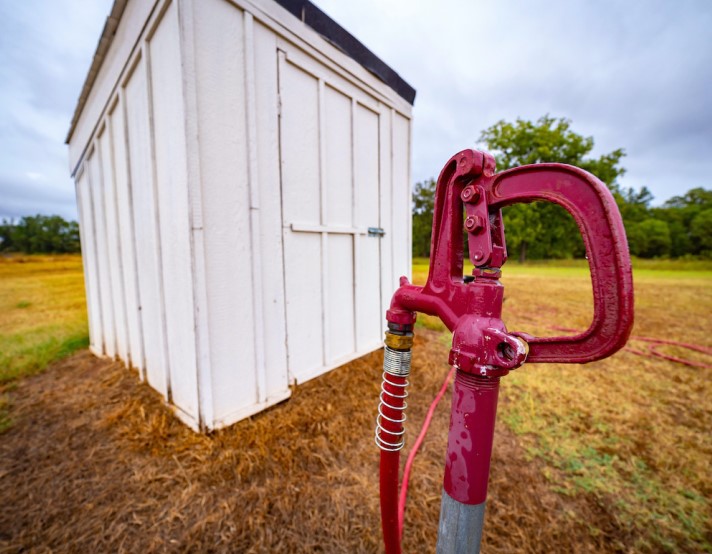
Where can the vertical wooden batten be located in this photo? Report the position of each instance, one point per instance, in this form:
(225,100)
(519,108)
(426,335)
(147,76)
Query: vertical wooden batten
(167,108)
(145,217)
(128,242)
(321,142)
(113,247)
(100,251)
(155,216)
(186,20)
(354,221)
(253,180)
(88,260)
(270,217)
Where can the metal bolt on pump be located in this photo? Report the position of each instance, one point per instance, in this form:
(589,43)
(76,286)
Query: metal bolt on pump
(483,350)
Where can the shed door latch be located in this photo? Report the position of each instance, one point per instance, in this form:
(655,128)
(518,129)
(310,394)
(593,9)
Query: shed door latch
(376,232)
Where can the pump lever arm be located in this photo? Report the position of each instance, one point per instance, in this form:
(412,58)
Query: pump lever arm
(593,208)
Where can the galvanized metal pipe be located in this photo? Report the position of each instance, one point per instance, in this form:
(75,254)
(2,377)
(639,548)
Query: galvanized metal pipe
(460,528)
(467,463)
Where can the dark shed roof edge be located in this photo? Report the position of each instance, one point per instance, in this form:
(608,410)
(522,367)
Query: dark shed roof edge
(303,10)
(312,16)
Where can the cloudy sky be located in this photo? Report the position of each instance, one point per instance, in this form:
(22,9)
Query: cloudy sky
(632,74)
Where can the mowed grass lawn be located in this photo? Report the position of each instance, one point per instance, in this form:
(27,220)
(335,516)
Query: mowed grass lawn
(630,432)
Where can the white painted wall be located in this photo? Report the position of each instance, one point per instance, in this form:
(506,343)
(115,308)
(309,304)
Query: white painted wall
(370,315)
(113,247)
(223,147)
(228,165)
(91,281)
(128,275)
(170,156)
(96,184)
(146,225)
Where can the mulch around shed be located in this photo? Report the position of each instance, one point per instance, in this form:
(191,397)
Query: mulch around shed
(95,462)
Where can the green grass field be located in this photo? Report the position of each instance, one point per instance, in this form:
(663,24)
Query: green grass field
(42,312)
(631,432)
(42,316)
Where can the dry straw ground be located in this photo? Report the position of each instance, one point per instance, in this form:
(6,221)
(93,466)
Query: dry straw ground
(611,457)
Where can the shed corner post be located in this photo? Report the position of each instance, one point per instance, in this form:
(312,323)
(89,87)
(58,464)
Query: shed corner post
(206,417)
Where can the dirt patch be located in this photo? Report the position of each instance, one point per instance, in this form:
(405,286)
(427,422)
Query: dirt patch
(94,462)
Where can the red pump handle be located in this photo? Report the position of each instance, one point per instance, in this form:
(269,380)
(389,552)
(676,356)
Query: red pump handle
(468,178)
(592,205)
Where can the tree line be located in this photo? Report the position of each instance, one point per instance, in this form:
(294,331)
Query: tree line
(681,227)
(39,234)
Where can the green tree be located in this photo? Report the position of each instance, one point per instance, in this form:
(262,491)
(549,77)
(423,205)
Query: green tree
(6,228)
(701,232)
(680,212)
(522,223)
(543,230)
(698,197)
(423,206)
(40,234)
(650,238)
(680,240)
(634,205)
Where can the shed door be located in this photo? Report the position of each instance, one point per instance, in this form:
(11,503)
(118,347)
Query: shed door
(330,147)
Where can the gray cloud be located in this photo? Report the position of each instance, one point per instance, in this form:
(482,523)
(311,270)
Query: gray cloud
(632,74)
(635,75)
(45,51)
(33,196)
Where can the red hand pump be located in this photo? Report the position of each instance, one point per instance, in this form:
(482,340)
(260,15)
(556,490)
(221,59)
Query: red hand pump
(483,350)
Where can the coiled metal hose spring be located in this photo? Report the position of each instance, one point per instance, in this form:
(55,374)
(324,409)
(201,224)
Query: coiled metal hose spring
(396,369)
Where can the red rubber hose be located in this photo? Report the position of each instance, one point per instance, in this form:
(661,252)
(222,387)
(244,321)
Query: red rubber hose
(391,423)
(654,344)
(390,464)
(416,447)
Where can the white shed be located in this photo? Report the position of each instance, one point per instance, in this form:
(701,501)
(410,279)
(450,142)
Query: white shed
(242,171)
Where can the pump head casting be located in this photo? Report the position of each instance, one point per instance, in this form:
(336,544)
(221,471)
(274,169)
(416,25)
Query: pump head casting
(469,196)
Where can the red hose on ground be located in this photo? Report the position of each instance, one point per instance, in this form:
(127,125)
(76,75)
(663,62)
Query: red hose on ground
(695,347)
(414,450)
(654,345)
